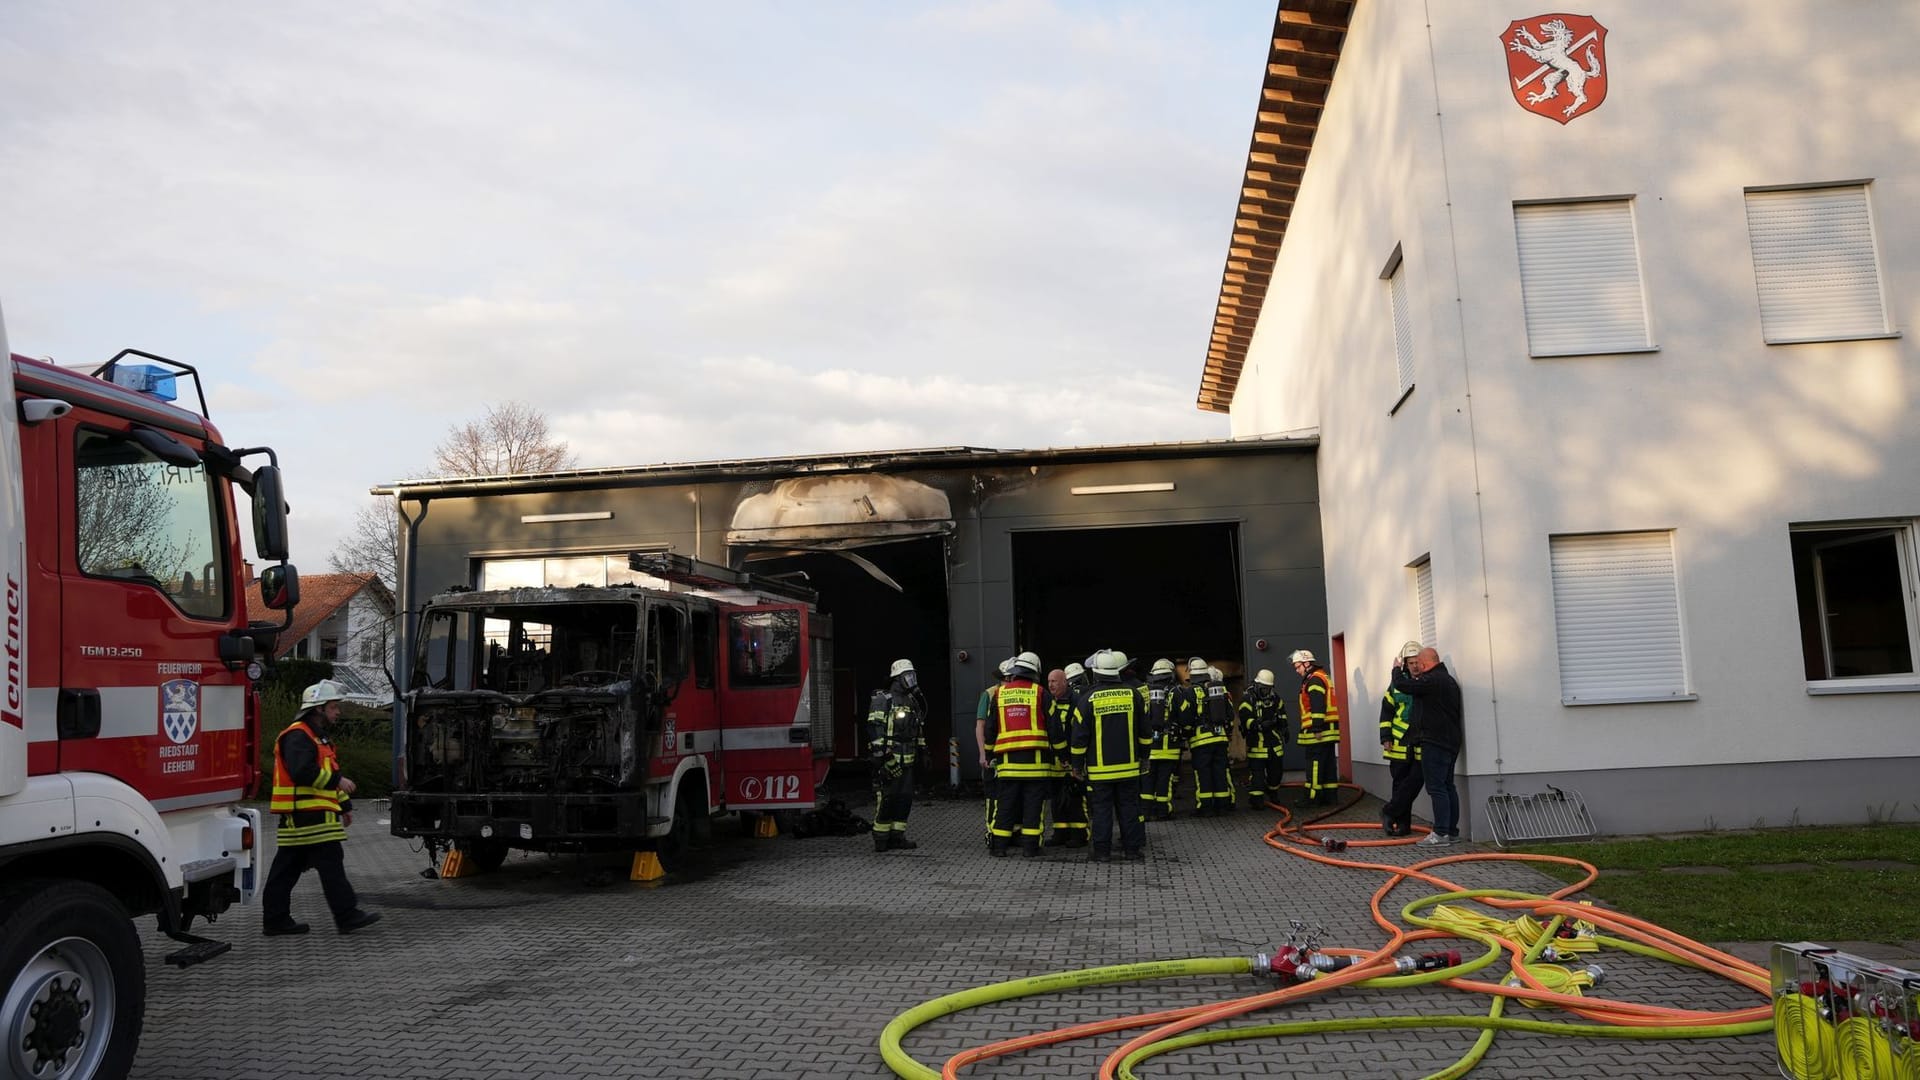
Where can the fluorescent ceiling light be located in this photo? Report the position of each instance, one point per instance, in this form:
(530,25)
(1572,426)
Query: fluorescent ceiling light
(584,515)
(1121,489)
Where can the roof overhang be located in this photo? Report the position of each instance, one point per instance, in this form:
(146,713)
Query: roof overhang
(1307,39)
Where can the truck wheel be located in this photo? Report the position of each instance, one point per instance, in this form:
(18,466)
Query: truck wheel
(74,981)
(485,856)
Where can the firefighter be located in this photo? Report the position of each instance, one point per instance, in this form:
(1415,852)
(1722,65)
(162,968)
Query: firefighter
(1109,744)
(1403,760)
(1263,726)
(896,733)
(1069,794)
(1212,720)
(982,713)
(1319,730)
(1164,720)
(315,804)
(1023,759)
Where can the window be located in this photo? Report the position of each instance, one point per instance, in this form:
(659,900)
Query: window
(1396,278)
(1423,598)
(142,521)
(1854,583)
(1580,278)
(703,647)
(1815,265)
(1616,613)
(666,645)
(764,649)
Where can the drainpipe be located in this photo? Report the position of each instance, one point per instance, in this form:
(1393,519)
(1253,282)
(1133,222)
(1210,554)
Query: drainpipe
(409,627)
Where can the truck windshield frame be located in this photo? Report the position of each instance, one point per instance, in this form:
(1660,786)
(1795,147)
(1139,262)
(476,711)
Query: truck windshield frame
(525,649)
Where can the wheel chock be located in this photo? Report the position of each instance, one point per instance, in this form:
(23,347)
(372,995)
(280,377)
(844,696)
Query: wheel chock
(764,827)
(646,867)
(454,865)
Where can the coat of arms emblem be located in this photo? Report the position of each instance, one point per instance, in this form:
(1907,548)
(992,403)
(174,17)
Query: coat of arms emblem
(179,709)
(1557,64)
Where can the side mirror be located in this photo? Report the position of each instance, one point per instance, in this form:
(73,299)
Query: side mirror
(237,650)
(270,520)
(280,587)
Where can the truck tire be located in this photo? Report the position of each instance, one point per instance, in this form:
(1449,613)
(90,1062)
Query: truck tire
(485,856)
(676,848)
(73,983)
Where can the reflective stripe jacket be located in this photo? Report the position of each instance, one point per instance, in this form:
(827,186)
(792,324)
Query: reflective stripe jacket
(1020,730)
(1060,714)
(1110,735)
(1263,724)
(1319,710)
(1393,726)
(895,725)
(306,788)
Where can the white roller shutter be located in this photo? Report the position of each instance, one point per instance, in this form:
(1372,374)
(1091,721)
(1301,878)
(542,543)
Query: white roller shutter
(1814,264)
(1423,591)
(1580,278)
(1402,326)
(1616,611)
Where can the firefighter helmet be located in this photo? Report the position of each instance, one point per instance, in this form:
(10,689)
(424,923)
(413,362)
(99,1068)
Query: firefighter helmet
(1302,656)
(1197,668)
(1006,668)
(1029,663)
(899,668)
(1120,660)
(1161,667)
(1074,671)
(322,692)
(1108,662)
(1410,650)
(1264,677)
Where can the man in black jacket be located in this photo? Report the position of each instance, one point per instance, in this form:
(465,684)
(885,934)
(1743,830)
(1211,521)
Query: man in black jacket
(1437,728)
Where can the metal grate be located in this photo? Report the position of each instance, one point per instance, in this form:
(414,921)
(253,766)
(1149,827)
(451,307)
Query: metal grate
(1549,815)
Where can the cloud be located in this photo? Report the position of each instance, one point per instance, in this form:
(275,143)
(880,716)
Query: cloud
(681,231)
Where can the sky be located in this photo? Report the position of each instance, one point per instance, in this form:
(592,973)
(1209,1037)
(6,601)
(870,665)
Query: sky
(684,231)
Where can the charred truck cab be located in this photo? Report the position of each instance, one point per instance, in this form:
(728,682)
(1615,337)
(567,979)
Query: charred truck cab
(624,717)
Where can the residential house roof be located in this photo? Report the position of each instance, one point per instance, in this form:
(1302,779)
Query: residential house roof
(320,596)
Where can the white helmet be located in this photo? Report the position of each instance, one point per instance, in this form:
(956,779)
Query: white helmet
(1108,662)
(322,692)
(899,668)
(1302,656)
(1410,650)
(1074,671)
(1161,667)
(1120,660)
(1006,667)
(1197,668)
(1214,674)
(1264,677)
(1028,662)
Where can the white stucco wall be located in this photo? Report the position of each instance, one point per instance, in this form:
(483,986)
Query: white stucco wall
(1717,436)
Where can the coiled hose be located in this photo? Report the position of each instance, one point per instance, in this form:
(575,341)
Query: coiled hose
(1533,928)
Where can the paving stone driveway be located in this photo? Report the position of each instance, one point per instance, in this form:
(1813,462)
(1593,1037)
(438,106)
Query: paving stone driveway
(785,958)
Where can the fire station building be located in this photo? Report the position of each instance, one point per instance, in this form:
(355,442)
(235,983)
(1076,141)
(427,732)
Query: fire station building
(954,558)
(1601,322)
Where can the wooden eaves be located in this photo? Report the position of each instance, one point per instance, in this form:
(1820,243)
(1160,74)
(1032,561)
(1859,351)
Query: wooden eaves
(1306,43)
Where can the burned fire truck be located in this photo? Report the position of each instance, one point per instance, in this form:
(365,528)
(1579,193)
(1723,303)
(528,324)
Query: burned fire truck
(617,717)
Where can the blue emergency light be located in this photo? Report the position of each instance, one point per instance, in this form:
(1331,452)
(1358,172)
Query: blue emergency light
(145,379)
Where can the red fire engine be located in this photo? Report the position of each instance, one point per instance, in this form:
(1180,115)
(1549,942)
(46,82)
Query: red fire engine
(128,726)
(623,717)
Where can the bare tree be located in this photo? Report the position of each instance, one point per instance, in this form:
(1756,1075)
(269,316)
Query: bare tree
(373,544)
(512,438)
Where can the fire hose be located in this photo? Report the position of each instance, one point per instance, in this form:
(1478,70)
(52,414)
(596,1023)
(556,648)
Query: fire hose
(1541,935)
